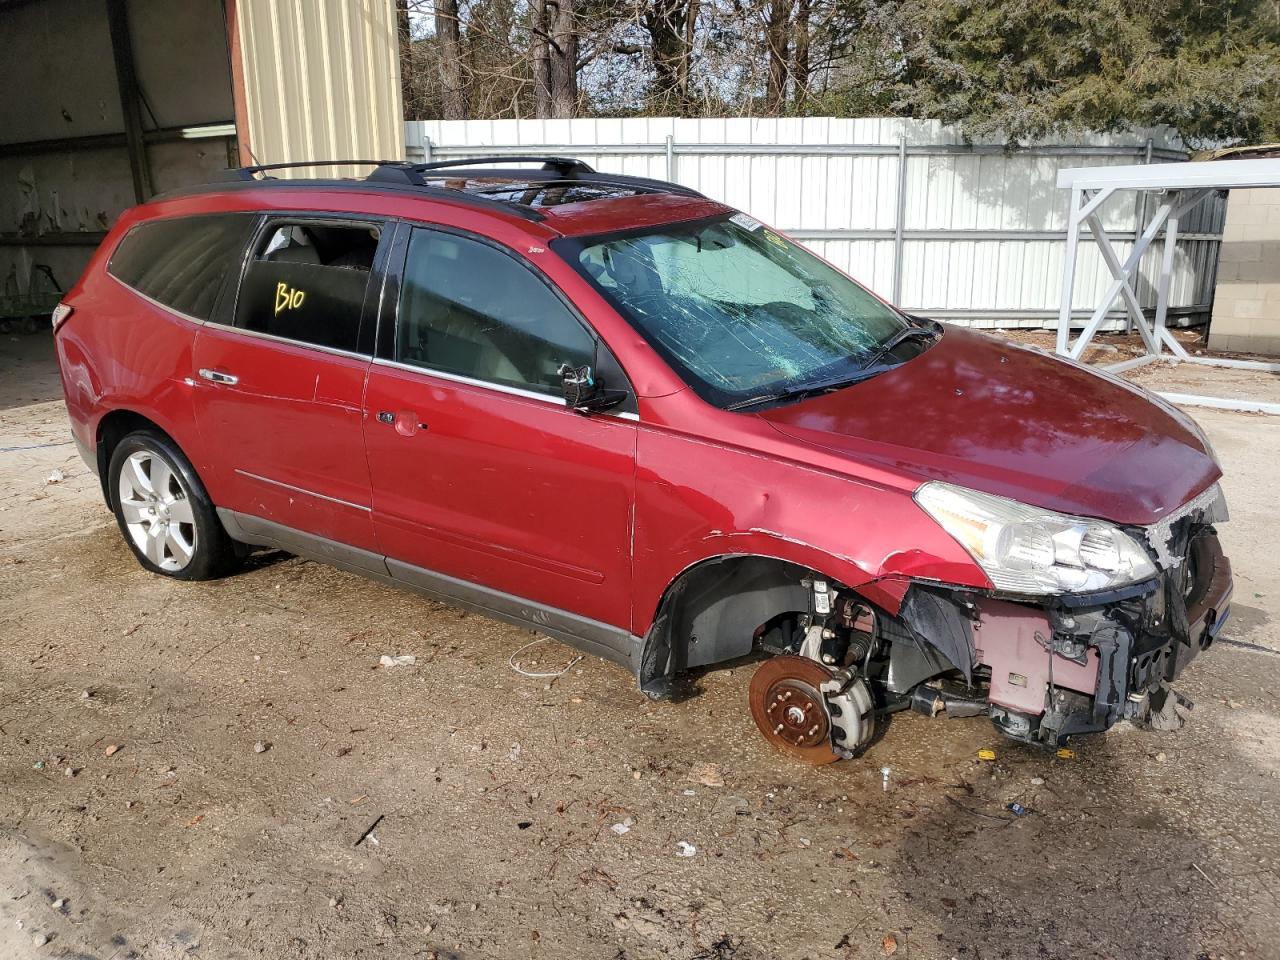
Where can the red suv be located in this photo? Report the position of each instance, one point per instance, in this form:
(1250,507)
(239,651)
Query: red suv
(625,415)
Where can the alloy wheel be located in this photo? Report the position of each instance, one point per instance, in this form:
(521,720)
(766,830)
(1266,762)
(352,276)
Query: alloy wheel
(157,511)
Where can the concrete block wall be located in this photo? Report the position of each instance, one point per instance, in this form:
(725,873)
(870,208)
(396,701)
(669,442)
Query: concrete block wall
(1246,305)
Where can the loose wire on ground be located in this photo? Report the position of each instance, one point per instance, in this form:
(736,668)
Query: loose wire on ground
(511,660)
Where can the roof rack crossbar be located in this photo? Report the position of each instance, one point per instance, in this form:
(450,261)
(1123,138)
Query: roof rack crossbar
(561,165)
(644,183)
(638,184)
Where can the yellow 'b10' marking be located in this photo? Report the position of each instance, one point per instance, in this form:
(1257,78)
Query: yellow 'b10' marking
(287,298)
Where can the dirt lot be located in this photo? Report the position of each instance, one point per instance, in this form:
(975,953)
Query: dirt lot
(1168,377)
(495,796)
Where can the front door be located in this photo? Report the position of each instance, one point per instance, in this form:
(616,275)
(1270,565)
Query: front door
(479,470)
(279,385)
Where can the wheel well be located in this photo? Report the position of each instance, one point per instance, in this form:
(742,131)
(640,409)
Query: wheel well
(113,428)
(710,613)
(714,610)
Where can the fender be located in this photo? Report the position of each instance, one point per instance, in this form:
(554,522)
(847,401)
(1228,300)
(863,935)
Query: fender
(696,501)
(181,432)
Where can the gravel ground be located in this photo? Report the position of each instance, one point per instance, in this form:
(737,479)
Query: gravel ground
(137,817)
(1169,377)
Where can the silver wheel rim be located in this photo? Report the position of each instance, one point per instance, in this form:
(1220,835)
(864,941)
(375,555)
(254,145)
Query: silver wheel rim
(157,511)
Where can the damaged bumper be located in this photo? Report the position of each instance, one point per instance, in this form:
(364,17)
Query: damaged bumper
(1076,664)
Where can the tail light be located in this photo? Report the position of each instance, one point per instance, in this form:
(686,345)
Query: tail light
(60,314)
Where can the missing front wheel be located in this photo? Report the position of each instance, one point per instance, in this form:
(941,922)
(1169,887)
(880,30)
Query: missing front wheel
(811,712)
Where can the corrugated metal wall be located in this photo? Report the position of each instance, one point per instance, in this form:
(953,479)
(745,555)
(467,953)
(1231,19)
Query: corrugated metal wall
(65,160)
(981,232)
(321,80)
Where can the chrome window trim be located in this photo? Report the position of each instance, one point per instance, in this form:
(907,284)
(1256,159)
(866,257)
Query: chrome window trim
(470,381)
(156,303)
(321,348)
(303,490)
(489,385)
(352,354)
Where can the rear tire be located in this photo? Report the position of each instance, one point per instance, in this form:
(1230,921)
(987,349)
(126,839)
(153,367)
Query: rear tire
(163,511)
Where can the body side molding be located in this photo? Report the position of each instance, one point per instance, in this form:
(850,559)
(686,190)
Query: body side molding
(590,636)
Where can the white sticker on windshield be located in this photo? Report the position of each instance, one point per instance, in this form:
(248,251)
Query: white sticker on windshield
(745,222)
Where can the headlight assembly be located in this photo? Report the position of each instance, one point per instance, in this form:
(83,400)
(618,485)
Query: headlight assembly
(1036,552)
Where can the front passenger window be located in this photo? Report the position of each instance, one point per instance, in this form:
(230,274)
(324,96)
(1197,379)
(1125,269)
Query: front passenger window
(469,309)
(307,282)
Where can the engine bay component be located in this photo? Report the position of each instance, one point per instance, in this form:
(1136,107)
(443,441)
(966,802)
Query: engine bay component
(788,706)
(934,700)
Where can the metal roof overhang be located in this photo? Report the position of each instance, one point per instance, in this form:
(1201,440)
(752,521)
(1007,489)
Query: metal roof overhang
(1213,174)
(1178,187)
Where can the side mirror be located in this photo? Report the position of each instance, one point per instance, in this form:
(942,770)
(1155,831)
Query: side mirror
(585,392)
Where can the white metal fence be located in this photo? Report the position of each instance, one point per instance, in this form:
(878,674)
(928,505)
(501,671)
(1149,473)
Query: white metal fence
(961,231)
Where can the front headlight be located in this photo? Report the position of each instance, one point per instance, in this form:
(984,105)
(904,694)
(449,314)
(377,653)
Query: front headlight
(1027,550)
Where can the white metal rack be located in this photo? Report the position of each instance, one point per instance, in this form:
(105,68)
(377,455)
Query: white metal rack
(1177,188)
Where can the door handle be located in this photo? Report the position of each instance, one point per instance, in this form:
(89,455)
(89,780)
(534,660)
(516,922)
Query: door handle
(217,376)
(406,422)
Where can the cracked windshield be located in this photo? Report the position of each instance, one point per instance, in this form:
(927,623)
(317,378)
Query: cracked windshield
(739,310)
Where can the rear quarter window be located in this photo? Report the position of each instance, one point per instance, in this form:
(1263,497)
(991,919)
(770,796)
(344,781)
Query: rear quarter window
(182,263)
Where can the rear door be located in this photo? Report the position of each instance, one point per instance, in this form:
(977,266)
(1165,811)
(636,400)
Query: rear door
(480,472)
(280,379)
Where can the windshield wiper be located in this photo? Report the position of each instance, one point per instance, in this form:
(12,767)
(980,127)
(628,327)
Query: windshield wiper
(865,369)
(906,333)
(801,391)
(763,398)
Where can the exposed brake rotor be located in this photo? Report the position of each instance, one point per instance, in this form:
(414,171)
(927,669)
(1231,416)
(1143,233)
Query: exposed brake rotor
(788,706)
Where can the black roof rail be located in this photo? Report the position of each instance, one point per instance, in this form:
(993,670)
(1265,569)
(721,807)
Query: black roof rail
(251,172)
(569,168)
(236,179)
(405,174)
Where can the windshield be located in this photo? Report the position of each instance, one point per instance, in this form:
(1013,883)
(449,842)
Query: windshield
(738,310)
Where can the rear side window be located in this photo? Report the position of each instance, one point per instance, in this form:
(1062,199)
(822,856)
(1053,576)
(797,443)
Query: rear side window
(182,262)
(307,282)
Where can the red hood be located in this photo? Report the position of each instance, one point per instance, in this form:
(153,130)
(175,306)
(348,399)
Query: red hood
(1015,422)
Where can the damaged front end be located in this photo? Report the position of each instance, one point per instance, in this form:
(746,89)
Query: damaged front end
(1043,668)
(1072,663)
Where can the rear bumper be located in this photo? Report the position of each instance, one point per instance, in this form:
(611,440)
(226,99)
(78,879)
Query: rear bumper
(86,453)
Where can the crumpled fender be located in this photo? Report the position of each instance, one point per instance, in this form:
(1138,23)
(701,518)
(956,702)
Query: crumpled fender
(696,500)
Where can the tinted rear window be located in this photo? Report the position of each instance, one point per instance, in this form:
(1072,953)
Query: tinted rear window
(182,262)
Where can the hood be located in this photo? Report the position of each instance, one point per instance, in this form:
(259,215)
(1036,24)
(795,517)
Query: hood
(1015,422)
